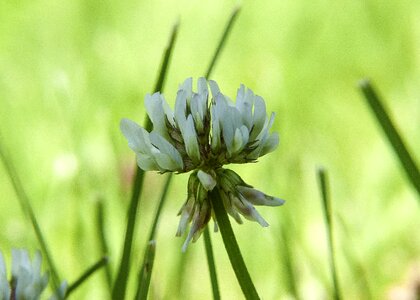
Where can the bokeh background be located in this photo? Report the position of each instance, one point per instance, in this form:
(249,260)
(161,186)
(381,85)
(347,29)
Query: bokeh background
(70,70)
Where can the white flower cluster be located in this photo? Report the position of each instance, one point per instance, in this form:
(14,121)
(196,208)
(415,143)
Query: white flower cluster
(202,137)
(197,135)
(27,282)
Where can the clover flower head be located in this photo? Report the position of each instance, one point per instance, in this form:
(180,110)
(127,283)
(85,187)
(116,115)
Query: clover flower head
(27,281)
(202,134)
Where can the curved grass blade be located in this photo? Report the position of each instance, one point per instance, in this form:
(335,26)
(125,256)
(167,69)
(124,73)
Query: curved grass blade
(232,247)
(26,206)
(120,284)
(222,41)
(323,184)
(146,271)
(102,262)
(211,264)
(102,240)
(392,134)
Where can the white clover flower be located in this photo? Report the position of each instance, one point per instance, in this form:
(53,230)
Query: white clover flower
(27,282)
(202,136)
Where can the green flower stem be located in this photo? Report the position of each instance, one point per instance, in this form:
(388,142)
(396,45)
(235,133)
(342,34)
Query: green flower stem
(120,284)
(392,134)
(232,247)
(323,183)
(102,262)
(26,206)
(207,239)
(212,266)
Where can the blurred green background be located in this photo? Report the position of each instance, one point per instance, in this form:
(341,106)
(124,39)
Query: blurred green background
(70,70)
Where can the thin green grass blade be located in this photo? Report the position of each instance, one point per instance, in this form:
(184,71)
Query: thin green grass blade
(211,264)
(162,201)
(100,226)
(222,41)
(232,247)
(365,291)
(147,265)
(323,184)
(378,109)
(288,261)
(26,206)
(120,284)
(89,272)
(146,271)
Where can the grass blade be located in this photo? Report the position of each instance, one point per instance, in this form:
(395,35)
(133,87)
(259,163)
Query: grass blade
(159,209)
(120,284)
(146,271)
(25,204)
(360,272)
(222,41)
(323,183)
(288,260)
(102,262)
(100,221)
(212,266)
(147,265)
(391,132)
(232,247)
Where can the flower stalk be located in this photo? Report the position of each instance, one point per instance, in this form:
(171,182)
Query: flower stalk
(232,247)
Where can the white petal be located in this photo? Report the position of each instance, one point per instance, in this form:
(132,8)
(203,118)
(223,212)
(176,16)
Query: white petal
(134,135)
(157,109)
(187,87)
(168,158)
(202,86)
(206,180)
(231,120)
(197,112)
(270,144)
(244,103)
(147,163)
(190,139)
(259,117)
(248,211)
(257,197)
(214,88)
(180,108)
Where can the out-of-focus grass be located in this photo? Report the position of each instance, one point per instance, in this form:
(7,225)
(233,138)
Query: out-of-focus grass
(72,69)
